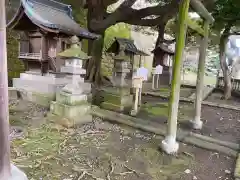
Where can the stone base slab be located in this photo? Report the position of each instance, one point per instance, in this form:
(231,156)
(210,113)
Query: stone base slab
(38,98)
(71,99)
(68,111)
(17,174)
(116,90)
(237,168)
(115,107)
(36,86)
(69,122)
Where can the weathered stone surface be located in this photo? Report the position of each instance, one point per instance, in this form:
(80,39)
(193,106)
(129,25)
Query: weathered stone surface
(73,70)
(116,99)
(115,90)
(71,99)
(116,107)
(67,111)
(36,86)
(13,93)
(69,122)
(38,98)
(237,168)
(17,174)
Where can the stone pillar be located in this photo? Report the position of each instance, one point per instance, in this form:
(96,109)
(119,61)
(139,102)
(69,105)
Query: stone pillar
(72,101)
(169,144)
(117,97)
(197,123)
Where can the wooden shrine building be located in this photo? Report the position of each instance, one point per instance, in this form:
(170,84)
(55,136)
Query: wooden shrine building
(163,56)
(45,27)
(130,51)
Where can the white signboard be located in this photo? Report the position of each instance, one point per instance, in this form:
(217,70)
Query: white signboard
(137,82)
(142,72)
(158,69)
(167,61)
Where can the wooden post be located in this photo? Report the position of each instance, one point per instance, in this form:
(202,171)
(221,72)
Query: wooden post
(169,144)
(157,81)
(140,97)
(153,83)
(4,122)
(136,100)
(197,123)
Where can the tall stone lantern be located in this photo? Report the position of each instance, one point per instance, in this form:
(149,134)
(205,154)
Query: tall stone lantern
(71,102)
(118,97)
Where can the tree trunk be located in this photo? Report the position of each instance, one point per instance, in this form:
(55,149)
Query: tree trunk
(225,70)
(94,64)
(160,39)
(96,11)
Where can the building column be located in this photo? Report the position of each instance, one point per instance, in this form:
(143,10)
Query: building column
(169,144)
(197,123)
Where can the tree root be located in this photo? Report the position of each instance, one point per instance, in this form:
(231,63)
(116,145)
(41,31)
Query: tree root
(84,173)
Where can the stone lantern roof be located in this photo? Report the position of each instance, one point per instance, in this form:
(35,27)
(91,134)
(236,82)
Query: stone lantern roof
(75,50)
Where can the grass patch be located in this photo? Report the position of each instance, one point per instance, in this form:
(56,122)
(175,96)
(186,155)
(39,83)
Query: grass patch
(160,109)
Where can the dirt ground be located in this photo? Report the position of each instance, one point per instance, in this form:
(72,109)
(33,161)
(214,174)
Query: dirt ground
(103,151)
(216,98)
(220,123)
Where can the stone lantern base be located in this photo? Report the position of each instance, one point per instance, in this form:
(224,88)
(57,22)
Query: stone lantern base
(71,109)
(116,99)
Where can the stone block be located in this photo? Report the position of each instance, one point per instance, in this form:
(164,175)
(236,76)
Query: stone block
(71,99)
(13,93)
(36,86)
(115,107)
(115,90)
(116,99)
(73,70)
(17,174)
(68,111)
(237,168)
(69,122)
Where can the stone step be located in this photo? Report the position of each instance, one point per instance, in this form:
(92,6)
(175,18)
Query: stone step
(71,99)
(36,86)
(68,111)
(48,78)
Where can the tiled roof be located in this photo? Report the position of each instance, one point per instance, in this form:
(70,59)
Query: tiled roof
(130,46)
(54,15)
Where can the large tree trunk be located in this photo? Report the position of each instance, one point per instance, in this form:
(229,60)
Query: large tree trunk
(94,64)
(160,39)
(96,11)
(225,70)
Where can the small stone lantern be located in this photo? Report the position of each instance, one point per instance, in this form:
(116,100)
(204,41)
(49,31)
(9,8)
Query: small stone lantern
(71,102)
(74,58)
(121,68)
(118,97)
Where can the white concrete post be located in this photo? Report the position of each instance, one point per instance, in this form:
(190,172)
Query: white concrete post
(197,123)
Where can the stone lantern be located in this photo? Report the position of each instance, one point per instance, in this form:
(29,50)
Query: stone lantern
(71,102)
(118,97)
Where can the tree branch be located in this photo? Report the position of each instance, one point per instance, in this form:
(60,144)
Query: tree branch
(136,16)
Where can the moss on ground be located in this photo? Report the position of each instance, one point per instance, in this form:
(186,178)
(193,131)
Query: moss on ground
(161,109)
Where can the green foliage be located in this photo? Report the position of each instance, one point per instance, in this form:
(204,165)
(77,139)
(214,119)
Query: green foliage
(15,66)
(226,11)
(120,30)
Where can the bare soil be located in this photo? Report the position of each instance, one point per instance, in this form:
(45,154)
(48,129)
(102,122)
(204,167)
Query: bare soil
(216,97)
(104,151)
(219,123)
